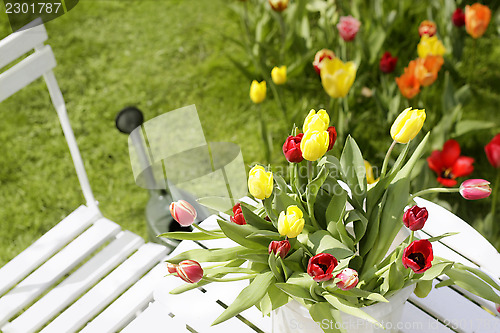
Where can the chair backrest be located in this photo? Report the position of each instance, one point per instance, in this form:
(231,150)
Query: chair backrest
(38,64)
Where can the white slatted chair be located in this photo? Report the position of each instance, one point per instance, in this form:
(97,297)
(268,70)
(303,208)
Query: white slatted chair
(122,262)
(447,309)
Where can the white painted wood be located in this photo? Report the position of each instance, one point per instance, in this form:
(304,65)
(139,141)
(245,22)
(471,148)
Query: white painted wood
(61,263)
(76,284)
(26,71)
(462,314)
(123,310)
(468,242)
(156,319)
(19,43)
(42,249)
(107,290)
(415,320)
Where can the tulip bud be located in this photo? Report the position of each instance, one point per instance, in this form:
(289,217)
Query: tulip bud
(260,182)
(172,268)
(316,121)
(183,212)
(407,125)
(314,144)
(430,46)
(474,189)
(370,177)
(458,18)
(291,148)
(332,137)
(291,223)
(320,55)
(348,279)
(414,218)
(258,91)
(278,74)
(279,248)
(238,217)
(388,63)
(427,28)
(348,27)
(492,150)
(278,5)
(190,271)
(477,18)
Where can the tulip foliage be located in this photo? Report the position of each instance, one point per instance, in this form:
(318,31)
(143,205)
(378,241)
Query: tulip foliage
(327,239)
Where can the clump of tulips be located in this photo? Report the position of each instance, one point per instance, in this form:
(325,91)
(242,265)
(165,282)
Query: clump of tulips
(325,235)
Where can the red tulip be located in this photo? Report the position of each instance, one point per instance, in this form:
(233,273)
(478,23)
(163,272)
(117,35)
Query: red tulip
(474,189)
(348,279)
(418,256)
(388,62)
(458,17)
(291,148)
(321,266)
(190,271)
(183,212)
(332,135)
(280,248)
(348,27)
(238,217)
(318,58)
(415,217)
(449,165)
(492,150)
(427,28)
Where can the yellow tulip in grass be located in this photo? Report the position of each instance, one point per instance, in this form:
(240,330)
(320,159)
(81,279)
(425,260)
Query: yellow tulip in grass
(291,223)
(337,77)
(258,91)
(407,125)
(314,144)
(260,182)
(430,46)
(316,121)
(278,74)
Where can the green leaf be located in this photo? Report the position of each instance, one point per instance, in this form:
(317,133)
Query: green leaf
(275,268)
(273,299)
(480,274)
(255,220)
(473,284)
(322,311)
(435,271)
(376,40)
(336,208)
(423,288)
(238,233)
(356,292)
(406,170)
(344,306)
(269,235)
(448,101)
(212,255)
(247,297)
(353,169)
(219,204)
(228,270)
(466,126)
(438,238)
(183,235)
(322,241)
(295,291)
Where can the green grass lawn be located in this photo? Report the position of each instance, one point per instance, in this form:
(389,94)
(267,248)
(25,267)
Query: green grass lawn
(157,55)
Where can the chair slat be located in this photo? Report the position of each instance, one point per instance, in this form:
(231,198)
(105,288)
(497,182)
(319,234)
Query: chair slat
(415,320)
(19,43)
(26,71)
(482,252)
(42,249)
(77,283)
(108,289)
(463,315)
(121,311)
(61,263)
(155,319)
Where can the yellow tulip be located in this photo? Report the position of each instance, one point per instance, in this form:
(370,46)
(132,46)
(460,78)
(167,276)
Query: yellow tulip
(316,121)
(430,46)
(337,77)
(314,144)
(258,91)
(278,74)
(407,125)
(260,182)
(370,178)
(291,223)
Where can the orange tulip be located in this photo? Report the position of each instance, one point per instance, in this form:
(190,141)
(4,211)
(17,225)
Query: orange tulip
(426,70)
(477,18)
(408,83)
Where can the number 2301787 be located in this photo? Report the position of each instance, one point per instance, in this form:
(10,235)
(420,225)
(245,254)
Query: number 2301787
(34,8)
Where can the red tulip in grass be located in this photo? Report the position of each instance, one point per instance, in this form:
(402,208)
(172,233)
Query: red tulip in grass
(348,279)
(318,58)
(458,18)
(291,148)
(388,63)
(449,165)
(492,150)
(321,266)
(474,189)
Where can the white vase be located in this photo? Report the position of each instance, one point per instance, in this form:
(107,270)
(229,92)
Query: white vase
(295,318)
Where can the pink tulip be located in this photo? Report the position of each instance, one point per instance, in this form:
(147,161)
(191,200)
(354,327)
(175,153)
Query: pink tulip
(172,268)
(348,279)
(190,271)
(473,189)
(348,27)
(183,212)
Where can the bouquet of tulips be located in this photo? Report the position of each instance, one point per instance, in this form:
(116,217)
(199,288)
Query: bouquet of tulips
(326,238)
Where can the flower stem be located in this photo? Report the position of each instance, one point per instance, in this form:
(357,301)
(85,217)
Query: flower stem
(434,190)
(211,233)
(494,198)
(386,159)
(309,171)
